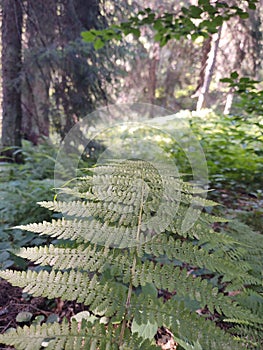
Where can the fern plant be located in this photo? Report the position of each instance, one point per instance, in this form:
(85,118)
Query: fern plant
(122,247)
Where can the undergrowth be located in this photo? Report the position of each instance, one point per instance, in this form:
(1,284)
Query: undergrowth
(20,186)
(124,245)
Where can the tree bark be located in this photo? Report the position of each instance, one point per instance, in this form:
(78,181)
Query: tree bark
(40,25)
(153,73)
(207,70)
(229,101)
(11,69)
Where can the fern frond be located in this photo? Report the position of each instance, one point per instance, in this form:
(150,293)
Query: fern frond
(85,231)
(103,298)
(183,323)
(94,258)
(252,300)
(72,336)
(186,286)
(216,261)
(90,258)
(127,222)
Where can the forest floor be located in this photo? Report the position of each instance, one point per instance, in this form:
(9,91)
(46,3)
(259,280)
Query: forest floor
(236,204)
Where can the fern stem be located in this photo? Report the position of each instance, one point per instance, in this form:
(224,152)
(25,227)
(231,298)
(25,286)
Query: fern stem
(128,302)
(133,268)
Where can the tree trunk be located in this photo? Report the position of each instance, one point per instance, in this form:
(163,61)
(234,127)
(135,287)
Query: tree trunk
(229,101)
(11,69)
(207,70)
(153,73)
(247,45)
(36,69)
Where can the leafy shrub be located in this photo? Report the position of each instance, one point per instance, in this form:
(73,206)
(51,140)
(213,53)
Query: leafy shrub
(125,245)
(250,97)
(232,147)
(20,186)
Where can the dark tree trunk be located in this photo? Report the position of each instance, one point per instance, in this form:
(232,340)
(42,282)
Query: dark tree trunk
(40,30)
(11,69)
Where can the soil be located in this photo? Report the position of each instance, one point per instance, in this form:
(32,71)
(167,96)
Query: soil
(9,301)
(13,301)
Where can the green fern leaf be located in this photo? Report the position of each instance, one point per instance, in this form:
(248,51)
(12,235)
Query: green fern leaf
(123,243)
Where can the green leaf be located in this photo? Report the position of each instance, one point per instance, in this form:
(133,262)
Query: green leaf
(244,80)
(150,19)
(226,80)
(98,44)
(252,6)
(148,10)
(243,15)
(212,28)
(158,25)
(222,5)
(158,37)
(53,318)
(88,36)
(4,256)
(188,346)
(210,9)
(38,319)
(150,289)
(84,315)
(185,10)
(205,24)
(203,2)
(23,316)
(234,75)
(136,32)
(146,331)
(127,31)
(195,12)
(218,20)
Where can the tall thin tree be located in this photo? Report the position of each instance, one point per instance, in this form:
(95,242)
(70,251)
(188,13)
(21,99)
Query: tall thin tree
(39,37)
(11,69)
(208,66)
